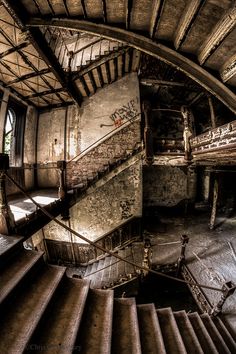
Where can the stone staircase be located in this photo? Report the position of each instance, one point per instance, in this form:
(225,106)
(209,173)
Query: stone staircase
(110,272)
(43,310)
(105,69)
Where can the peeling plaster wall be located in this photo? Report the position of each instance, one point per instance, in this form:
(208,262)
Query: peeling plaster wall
(64,133)
(30,145)
(166,186)
(107,207)
(50,146)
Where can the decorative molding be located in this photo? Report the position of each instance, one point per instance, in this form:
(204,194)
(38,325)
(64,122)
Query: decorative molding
(186,19)
(228,70)
(144,44)
(220,31)
(221,138)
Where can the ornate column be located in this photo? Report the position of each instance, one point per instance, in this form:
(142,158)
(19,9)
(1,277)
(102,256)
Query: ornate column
(148,140)
(187,133)
(7,222)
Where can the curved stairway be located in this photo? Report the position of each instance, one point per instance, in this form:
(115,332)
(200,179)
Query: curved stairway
(110,272)
(44,311)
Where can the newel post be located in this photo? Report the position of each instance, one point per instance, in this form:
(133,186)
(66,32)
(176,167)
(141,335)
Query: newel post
(62,190)
(61,165)
(181,259)
(7,222)
(148,139)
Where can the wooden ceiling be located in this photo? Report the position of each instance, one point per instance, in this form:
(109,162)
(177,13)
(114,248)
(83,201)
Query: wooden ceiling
(197,37)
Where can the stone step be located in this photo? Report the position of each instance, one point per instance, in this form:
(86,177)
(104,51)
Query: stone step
(201,332)
(88,270)
(22,316)
(215,335)
(93,269)
(106,272)
(59,326)
(121,264)
(97,277)
(229,340)
(187,332)
(114,272)
(150,331)
(125,338)
(9,245)
(129,269)
(170,332)
(15,272)
(96,331)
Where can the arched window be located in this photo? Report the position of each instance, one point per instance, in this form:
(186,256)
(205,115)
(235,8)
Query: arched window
(9,131)
(14,132)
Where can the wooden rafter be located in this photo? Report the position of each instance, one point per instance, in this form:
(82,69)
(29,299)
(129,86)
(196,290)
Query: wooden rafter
(37,39)
(14,49)
(156,13)
(104,10)
(220,31)
(186,22)
(152,82)
(51,7)
(84,9)
(26,83)
(29,76)
(45,93)
(129,5)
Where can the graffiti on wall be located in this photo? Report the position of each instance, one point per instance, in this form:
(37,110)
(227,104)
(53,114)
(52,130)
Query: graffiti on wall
(127,111)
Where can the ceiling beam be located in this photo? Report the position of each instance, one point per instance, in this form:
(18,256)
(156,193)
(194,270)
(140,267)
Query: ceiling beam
(6,66)
(160,51)
(129,5)
(104,11)
(228,69)
(29,76)
(220,31)
(37,39)
(156,13)
(44,93)
(151,82)
(186,21)
(14,49)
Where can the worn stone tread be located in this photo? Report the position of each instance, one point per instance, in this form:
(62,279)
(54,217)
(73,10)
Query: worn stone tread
(150,331)
(170,332)
(187,333)
(19,320)
(95,333)
(201,332)
(229,340)
(215,334)
(16,271)
(58,330)
(125,338)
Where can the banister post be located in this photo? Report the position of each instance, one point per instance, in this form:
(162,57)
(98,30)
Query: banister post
(148,139)
(61,165)
(62,190)
(187,133)
(228,289)
(7,222)
(181,259)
